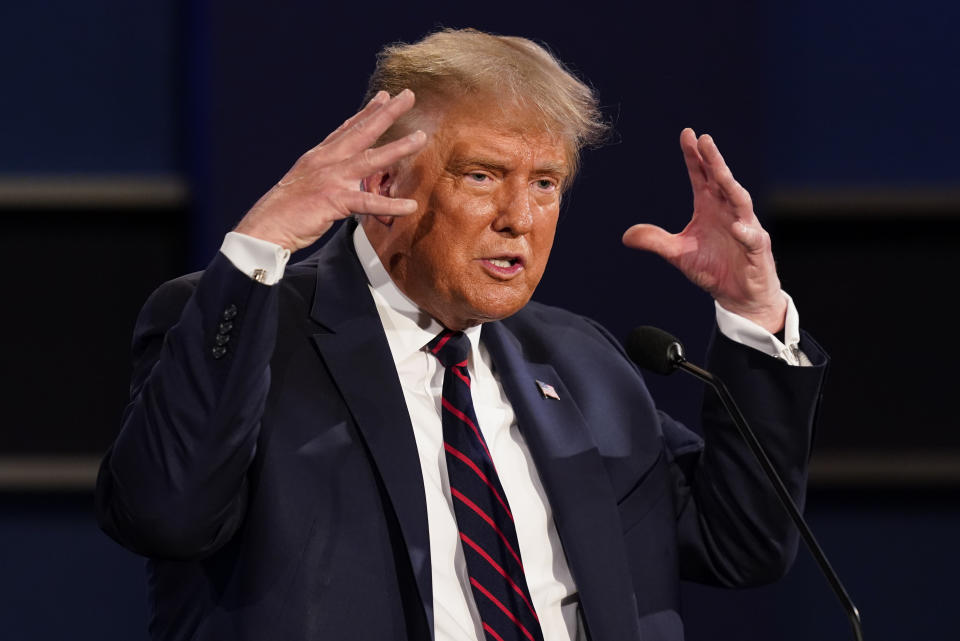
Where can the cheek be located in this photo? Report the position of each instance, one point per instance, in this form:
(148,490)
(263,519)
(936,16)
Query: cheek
(542,239)
(433,260)
(546,232)
(449,237)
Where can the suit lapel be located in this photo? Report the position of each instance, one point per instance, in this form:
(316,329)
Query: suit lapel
(355,350)
(575,481)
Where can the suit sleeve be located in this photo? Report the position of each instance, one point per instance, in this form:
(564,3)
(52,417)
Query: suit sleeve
(732,529)
(174,483)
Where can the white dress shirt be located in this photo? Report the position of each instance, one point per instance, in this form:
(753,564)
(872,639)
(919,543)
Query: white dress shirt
(408,330)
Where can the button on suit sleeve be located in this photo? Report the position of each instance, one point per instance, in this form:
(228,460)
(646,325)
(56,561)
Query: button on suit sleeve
(173,485)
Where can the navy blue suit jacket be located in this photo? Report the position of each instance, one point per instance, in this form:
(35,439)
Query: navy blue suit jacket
(277,492)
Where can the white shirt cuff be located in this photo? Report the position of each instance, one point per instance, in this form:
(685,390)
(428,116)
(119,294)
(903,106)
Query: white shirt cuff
(746,332)
(259,259)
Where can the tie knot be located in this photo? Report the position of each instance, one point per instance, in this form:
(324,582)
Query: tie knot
(450,348)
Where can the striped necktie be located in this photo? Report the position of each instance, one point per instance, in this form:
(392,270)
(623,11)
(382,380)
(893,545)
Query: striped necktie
(487,533)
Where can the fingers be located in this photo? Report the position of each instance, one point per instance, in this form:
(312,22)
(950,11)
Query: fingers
(350,144)
(718,172)
(365,131)
(691,157)
(653,239)
(315,157)
(375,103)
(374,159)
(363,202)
(357,132)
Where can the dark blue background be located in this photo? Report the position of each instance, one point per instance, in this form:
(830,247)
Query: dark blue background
(801,97)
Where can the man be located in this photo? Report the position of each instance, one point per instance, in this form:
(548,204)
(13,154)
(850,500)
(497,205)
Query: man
(389,441)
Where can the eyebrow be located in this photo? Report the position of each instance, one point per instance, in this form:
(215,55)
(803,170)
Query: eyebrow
(549,168)
(460,164)
(557,169)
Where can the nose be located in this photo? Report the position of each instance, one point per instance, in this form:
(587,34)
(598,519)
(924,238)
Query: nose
(514,211)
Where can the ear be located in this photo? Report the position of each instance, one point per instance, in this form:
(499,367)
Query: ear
(381,183)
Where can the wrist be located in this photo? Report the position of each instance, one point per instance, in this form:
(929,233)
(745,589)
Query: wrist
(770,316)
(265,234)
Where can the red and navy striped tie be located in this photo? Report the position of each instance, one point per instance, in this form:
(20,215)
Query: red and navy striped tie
(487,533)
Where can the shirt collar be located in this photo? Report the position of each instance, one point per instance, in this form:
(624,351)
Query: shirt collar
(408,327)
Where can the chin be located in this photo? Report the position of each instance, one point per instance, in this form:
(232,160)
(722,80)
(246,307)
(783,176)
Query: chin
(476,303)
(491,310)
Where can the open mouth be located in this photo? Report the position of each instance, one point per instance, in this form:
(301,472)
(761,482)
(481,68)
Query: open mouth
(504,265)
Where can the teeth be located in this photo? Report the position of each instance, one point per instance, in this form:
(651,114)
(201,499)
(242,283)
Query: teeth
(501,262)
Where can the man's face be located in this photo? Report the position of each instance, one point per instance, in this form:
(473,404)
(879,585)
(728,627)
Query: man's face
(489,195)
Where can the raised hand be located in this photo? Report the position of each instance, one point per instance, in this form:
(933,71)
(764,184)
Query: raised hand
(723,249)
(323,186)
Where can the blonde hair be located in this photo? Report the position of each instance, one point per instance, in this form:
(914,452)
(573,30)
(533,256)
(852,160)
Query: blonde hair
(452,65)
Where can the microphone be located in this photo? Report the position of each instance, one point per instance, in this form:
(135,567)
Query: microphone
(654,349)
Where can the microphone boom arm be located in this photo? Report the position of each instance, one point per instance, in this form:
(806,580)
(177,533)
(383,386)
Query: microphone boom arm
(678,359)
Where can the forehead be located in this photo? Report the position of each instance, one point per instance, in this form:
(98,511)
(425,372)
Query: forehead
(488,131)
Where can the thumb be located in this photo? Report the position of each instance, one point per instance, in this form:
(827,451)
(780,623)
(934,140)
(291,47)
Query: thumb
(652,239)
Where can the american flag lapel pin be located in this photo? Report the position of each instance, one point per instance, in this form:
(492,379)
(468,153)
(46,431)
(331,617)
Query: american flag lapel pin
(547,390)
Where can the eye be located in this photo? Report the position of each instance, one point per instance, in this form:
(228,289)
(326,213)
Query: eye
(477,177)
(546,184)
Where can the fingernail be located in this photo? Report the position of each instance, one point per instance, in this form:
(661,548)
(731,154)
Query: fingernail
(380,97)
(416,136)
(405,91)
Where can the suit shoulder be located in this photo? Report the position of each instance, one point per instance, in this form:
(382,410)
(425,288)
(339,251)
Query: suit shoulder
(534,313)
(538,323)
(536,316)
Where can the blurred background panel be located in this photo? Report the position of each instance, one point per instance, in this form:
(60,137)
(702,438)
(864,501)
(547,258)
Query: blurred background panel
(134,135)
(94,205)
(861,98)
(91,87)
(864,191)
